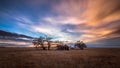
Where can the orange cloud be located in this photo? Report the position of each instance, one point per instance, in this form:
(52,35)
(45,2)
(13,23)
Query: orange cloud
(101,17)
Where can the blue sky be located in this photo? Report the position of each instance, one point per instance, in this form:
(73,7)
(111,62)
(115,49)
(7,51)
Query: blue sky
(24,16)
(16,13)
(62,19)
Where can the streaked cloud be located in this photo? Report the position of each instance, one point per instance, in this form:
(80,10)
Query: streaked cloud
(87,20)
(101,17)
(64,20)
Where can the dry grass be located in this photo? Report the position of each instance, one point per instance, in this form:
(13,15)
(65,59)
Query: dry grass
(32,58)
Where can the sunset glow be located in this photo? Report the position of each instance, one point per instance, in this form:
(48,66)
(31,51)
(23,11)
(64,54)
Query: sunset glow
(87,20)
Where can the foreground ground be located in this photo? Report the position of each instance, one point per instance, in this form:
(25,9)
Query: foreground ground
(32,58)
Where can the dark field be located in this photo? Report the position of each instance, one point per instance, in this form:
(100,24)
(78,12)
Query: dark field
(36,58)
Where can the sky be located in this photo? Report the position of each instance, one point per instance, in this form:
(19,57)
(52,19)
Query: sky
(87,20)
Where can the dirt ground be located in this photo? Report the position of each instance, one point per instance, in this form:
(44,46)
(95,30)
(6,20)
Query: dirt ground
(37,58)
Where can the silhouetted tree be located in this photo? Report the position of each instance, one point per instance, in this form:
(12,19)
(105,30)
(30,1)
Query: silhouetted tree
(41,42)
(80,44)
(49,42)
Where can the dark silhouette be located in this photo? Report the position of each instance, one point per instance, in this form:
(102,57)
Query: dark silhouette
(62,47)
(66,47)
(49,45)
(80,45)
(39,42)
(35,43)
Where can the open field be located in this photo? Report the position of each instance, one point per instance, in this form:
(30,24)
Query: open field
(36,58)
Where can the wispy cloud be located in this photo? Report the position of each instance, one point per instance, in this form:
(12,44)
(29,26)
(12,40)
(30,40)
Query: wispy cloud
(64,20)
(95,19)
(87,20)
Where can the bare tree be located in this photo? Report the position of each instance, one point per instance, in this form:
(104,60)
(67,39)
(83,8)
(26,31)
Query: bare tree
(49,42)
(41,42)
